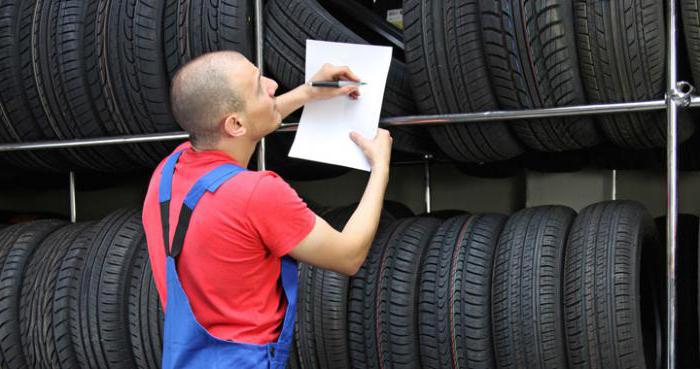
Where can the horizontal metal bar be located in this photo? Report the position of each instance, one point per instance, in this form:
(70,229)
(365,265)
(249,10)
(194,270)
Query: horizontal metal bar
(385,122)
(490,116)
(694,101)
(101,141)
(501,115)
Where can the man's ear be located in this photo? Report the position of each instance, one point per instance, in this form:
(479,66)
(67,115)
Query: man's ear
(233,126)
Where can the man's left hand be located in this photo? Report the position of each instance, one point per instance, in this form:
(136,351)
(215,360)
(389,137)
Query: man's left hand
(333,73)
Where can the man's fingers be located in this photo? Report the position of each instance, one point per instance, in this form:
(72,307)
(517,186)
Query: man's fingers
(347,73)
(358,140)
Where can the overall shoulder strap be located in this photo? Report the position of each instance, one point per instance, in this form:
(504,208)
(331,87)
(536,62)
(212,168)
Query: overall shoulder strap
(209,182)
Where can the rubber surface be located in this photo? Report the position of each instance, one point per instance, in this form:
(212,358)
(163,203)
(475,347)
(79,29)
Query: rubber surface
(362,309)
(455,293)
(99,318)
(290,22)
(690,16)
(621,48)
(528,324)
(19,244)
(133,76)
(532,59)
(195,27)
(42,336)
(146,317)
(448,74)
(396,296)
(606,325)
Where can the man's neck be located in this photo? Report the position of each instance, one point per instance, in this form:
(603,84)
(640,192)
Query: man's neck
(240,151)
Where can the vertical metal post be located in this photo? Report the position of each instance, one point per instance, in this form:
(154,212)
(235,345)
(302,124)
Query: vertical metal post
(428,200)
(613,191)
(71,196)
(671,185)
(262,165)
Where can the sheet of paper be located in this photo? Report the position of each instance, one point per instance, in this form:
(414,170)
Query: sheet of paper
(324,129)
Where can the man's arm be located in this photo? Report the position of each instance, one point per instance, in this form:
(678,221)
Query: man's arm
(289,102)
(345,251)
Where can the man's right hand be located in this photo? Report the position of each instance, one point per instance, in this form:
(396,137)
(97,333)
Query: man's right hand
(345,251)
(378,150)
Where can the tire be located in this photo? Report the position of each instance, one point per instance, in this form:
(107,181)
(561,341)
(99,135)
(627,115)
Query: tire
(606,325)
(362,309)
(330,306)
(196,27)
(367,24)
(397,293)
(133,76)
(447,71)
(19,250)
(20,110)
(41,342)
(285,42)
(306,340)
(527,284)
(146,317)
(532,59)
(99,321)
(621,54)
(687,340)
(65,297)
(61,59)
(455,293)
(690,15)
(86,107)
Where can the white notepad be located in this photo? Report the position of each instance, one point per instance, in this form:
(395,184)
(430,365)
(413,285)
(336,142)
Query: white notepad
(324,129)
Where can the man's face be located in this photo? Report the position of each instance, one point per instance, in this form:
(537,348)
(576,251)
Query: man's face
(260,103)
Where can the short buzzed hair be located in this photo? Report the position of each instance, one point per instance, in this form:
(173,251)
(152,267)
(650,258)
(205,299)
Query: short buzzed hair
(202,93)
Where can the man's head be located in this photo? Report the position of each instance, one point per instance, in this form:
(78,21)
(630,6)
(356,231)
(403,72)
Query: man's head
(222,96)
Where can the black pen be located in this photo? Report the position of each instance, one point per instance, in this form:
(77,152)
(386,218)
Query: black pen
(335,83)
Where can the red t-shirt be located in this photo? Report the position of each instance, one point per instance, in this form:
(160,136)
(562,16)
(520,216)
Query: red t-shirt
(230,262)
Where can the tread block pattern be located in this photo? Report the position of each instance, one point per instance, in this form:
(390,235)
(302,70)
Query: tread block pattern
(448,74)
(146,317)
(605,322)
(99,314)
(290,22)
(528,324)
(20,242)
(532,59)
(43,337)
(455,293)
(396,319)
(621,55)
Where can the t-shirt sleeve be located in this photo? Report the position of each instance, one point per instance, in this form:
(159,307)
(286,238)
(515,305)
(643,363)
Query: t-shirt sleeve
(279,215)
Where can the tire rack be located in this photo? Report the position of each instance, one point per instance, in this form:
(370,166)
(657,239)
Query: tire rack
(678,95)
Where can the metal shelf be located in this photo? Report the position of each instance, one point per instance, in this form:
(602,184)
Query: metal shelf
(678,95)
(413,120)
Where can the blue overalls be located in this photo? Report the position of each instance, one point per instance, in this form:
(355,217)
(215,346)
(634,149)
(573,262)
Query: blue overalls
(186,344)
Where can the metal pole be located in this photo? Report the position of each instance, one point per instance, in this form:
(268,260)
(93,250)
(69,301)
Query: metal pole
(387,122)
(262,164)
(71,197)
(613,192)
(671,185)
(428,198)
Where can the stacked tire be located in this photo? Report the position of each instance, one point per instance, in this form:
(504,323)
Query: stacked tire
(78,295)
(84,69)
(481,55)
(542,288)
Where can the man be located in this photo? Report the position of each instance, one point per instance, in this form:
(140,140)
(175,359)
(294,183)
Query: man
(219,237)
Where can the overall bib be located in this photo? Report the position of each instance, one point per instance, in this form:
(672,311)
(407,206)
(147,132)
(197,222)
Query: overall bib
(186,344)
